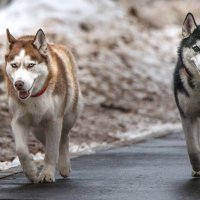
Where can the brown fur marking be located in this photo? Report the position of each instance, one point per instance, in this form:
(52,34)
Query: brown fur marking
(61,82)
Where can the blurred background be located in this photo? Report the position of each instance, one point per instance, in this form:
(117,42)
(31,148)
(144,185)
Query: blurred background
(126,53)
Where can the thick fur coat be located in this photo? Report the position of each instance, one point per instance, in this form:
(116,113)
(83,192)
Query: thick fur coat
(44,99)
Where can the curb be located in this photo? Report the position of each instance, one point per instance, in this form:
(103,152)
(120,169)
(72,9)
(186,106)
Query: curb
(153,132)
(10,172)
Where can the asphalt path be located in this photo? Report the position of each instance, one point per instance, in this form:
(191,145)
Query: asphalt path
(158,169)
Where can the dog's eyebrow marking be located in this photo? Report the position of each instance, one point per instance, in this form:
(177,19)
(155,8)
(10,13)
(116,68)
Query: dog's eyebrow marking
(21,57)
(196,48)
(22,54)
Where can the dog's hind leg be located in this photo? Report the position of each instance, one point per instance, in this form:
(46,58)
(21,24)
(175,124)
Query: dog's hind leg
(21,132)
(64,157)
(191,130)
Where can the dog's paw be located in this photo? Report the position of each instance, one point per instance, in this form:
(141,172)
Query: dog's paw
(65,171)
(32,175)
(195,174)
(47,176)
(64,167)
(34,180)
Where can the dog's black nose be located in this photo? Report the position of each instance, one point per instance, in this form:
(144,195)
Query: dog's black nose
(19,85)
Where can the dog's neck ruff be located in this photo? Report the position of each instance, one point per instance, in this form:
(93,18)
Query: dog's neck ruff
(41,91)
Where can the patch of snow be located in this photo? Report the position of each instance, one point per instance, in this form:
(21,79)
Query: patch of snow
(38,156)
(29,17)
(7,164)
(151,131)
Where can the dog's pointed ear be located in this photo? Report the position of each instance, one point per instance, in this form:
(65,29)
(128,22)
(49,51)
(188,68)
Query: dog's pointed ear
(189,25)
(40,42)
(11,38)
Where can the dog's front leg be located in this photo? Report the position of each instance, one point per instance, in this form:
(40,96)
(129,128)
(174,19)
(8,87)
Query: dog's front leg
(20,132)
(191,130)
(52,141)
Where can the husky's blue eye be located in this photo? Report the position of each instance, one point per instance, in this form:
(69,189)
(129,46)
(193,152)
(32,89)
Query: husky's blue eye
(196,48)
(31,65)
(14,65)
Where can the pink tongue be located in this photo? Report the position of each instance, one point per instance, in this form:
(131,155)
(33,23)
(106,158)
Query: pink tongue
(23,94)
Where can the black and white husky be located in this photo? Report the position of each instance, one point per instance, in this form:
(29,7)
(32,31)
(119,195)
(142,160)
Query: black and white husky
(187,89)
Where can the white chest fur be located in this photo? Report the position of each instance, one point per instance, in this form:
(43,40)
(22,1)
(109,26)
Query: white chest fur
(36,110)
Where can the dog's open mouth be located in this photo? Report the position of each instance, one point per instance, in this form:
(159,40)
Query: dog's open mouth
(23,94)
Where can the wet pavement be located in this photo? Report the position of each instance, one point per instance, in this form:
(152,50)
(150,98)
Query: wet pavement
(157,169)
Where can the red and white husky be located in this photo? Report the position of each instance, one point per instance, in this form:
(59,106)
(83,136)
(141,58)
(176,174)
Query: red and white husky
(44,98)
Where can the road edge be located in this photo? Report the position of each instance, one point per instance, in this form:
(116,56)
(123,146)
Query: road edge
(151,133)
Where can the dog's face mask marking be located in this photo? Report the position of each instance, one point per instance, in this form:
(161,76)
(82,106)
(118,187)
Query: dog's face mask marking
(191,56)
(191,44)
(195,58)
(25,67)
